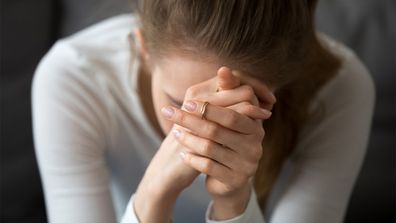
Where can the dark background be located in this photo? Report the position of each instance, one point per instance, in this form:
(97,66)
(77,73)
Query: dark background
(29,28)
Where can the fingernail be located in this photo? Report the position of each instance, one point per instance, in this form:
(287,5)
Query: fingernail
(182,155)
(235,73)
(176,133)
(266,112)
(190,106)
(167,111)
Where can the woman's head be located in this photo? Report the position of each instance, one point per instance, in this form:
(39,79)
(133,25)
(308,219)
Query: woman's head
(197,37)
(265,38)
(185,42)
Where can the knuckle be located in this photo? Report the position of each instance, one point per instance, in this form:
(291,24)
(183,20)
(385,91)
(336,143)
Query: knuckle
(192,91)
(207,166)
(251,170)
(258,132)
(181,117)
(231,118)
(242,105)
(245,109)
(211,130)
(258,152)
(249,109)
(261,132)
(247,92)
(245,103)
(255,153)
(205,150)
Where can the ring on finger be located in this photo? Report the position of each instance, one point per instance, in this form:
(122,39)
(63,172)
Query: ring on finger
(203,110)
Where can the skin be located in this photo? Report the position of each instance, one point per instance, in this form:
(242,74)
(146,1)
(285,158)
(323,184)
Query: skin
(229,137)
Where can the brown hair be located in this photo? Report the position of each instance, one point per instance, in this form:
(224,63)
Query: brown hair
(273,40)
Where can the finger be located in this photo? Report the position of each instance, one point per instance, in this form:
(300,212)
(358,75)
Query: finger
(206,148)
(252,111)
(207,166)
(266,106)
(261,89)
(226,98)
(222,116)
(204,128)
(226,80)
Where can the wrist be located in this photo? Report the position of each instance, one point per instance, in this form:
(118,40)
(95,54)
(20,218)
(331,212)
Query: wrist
(227,207)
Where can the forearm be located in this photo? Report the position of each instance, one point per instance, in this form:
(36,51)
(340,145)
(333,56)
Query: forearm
(224,208)
(154,206)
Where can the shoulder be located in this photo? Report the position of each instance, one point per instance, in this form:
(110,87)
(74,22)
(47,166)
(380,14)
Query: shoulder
(83,56)
(96,42)
(69,75)
(108,35)
(353,84)
(345,104)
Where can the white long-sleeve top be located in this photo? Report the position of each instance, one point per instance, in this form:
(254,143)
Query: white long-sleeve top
(93,140)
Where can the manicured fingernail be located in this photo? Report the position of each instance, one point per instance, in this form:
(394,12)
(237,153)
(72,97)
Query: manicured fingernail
(176,133)
(266,112)
(167,111)
(182,155)
(190,106)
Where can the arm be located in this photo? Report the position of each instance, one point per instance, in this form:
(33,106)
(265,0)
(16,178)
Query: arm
(329,155)
(151,205)
(70,138)
(72,131)
(251,212)
(161,210)
(130,215)
(328,158)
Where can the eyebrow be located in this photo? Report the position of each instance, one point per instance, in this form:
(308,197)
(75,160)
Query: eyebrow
(174,100)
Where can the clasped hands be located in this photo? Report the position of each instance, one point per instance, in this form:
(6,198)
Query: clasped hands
(227,144)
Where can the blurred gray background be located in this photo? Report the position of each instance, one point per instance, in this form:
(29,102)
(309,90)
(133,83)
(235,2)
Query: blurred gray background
(29,28)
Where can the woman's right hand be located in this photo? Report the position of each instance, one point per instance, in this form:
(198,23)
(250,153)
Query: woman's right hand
(167,175)
(163,181)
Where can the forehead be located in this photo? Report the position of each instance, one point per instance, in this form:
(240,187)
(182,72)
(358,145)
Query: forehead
(181,72)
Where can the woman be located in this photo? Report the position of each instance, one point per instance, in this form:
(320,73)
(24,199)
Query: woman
(169,115)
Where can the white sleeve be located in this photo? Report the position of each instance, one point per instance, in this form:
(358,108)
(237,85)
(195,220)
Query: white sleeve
(252,213)
(70,124)
(130,215)
(329,155)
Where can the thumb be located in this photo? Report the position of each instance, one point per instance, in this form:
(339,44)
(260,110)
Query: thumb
(226,80)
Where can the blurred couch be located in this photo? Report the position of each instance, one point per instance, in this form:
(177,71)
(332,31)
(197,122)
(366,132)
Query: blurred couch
(29,28)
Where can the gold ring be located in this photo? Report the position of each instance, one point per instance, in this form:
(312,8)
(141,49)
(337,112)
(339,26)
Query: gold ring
(203,110)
